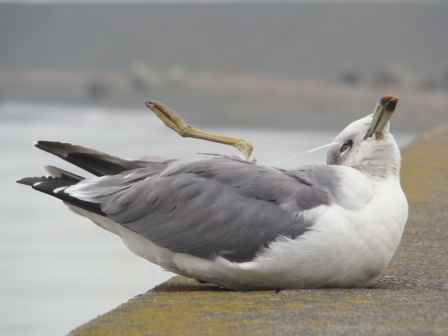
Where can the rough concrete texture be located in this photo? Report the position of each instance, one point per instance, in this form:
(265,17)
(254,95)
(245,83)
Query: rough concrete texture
(411,298)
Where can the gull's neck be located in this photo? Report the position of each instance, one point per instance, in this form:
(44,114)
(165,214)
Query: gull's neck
(382,162)
(379,170)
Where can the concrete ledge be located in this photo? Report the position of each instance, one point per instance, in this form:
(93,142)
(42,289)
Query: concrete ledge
(411,299)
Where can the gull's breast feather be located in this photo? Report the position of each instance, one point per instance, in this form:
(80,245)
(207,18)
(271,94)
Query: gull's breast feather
(345,247)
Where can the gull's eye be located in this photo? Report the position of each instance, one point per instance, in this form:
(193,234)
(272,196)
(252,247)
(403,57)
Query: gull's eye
(346,146)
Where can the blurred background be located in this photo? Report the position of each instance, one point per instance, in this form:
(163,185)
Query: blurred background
(287,76)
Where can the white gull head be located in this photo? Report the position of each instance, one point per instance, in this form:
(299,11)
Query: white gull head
(367,144)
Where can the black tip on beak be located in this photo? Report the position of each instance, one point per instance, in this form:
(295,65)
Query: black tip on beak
(389,102)
(383,112)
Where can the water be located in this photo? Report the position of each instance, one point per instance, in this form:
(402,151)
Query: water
(59,270)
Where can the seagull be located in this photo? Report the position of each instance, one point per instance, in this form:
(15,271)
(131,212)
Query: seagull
(232,222)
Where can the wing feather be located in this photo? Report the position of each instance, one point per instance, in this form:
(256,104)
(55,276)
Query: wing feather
(208,208)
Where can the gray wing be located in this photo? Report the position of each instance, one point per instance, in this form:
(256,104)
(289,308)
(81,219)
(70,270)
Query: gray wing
(217,207)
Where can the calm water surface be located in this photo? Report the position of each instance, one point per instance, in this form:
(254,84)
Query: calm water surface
(59,270)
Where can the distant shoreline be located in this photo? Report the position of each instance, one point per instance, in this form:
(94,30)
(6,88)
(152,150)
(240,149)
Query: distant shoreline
(231,100)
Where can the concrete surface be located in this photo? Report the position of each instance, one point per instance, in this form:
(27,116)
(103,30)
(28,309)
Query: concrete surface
(410,299)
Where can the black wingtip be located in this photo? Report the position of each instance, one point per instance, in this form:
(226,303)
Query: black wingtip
(29,181)
(91,160)
(54,147)
(22,181)
(40,144)
(62,149)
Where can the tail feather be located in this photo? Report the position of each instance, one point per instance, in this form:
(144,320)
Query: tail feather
(93,161)
(30,181)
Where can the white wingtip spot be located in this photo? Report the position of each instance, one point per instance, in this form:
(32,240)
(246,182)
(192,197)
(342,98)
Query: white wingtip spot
(36,184)
(57,190)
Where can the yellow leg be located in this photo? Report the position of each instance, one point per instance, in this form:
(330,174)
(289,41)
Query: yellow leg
(176,123)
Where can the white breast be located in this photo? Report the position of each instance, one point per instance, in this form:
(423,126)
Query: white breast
(345,248)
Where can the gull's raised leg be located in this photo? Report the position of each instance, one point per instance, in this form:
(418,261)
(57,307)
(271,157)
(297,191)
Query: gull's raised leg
(176,123)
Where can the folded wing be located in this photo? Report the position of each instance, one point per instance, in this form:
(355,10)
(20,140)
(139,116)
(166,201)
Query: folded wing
(217,207)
